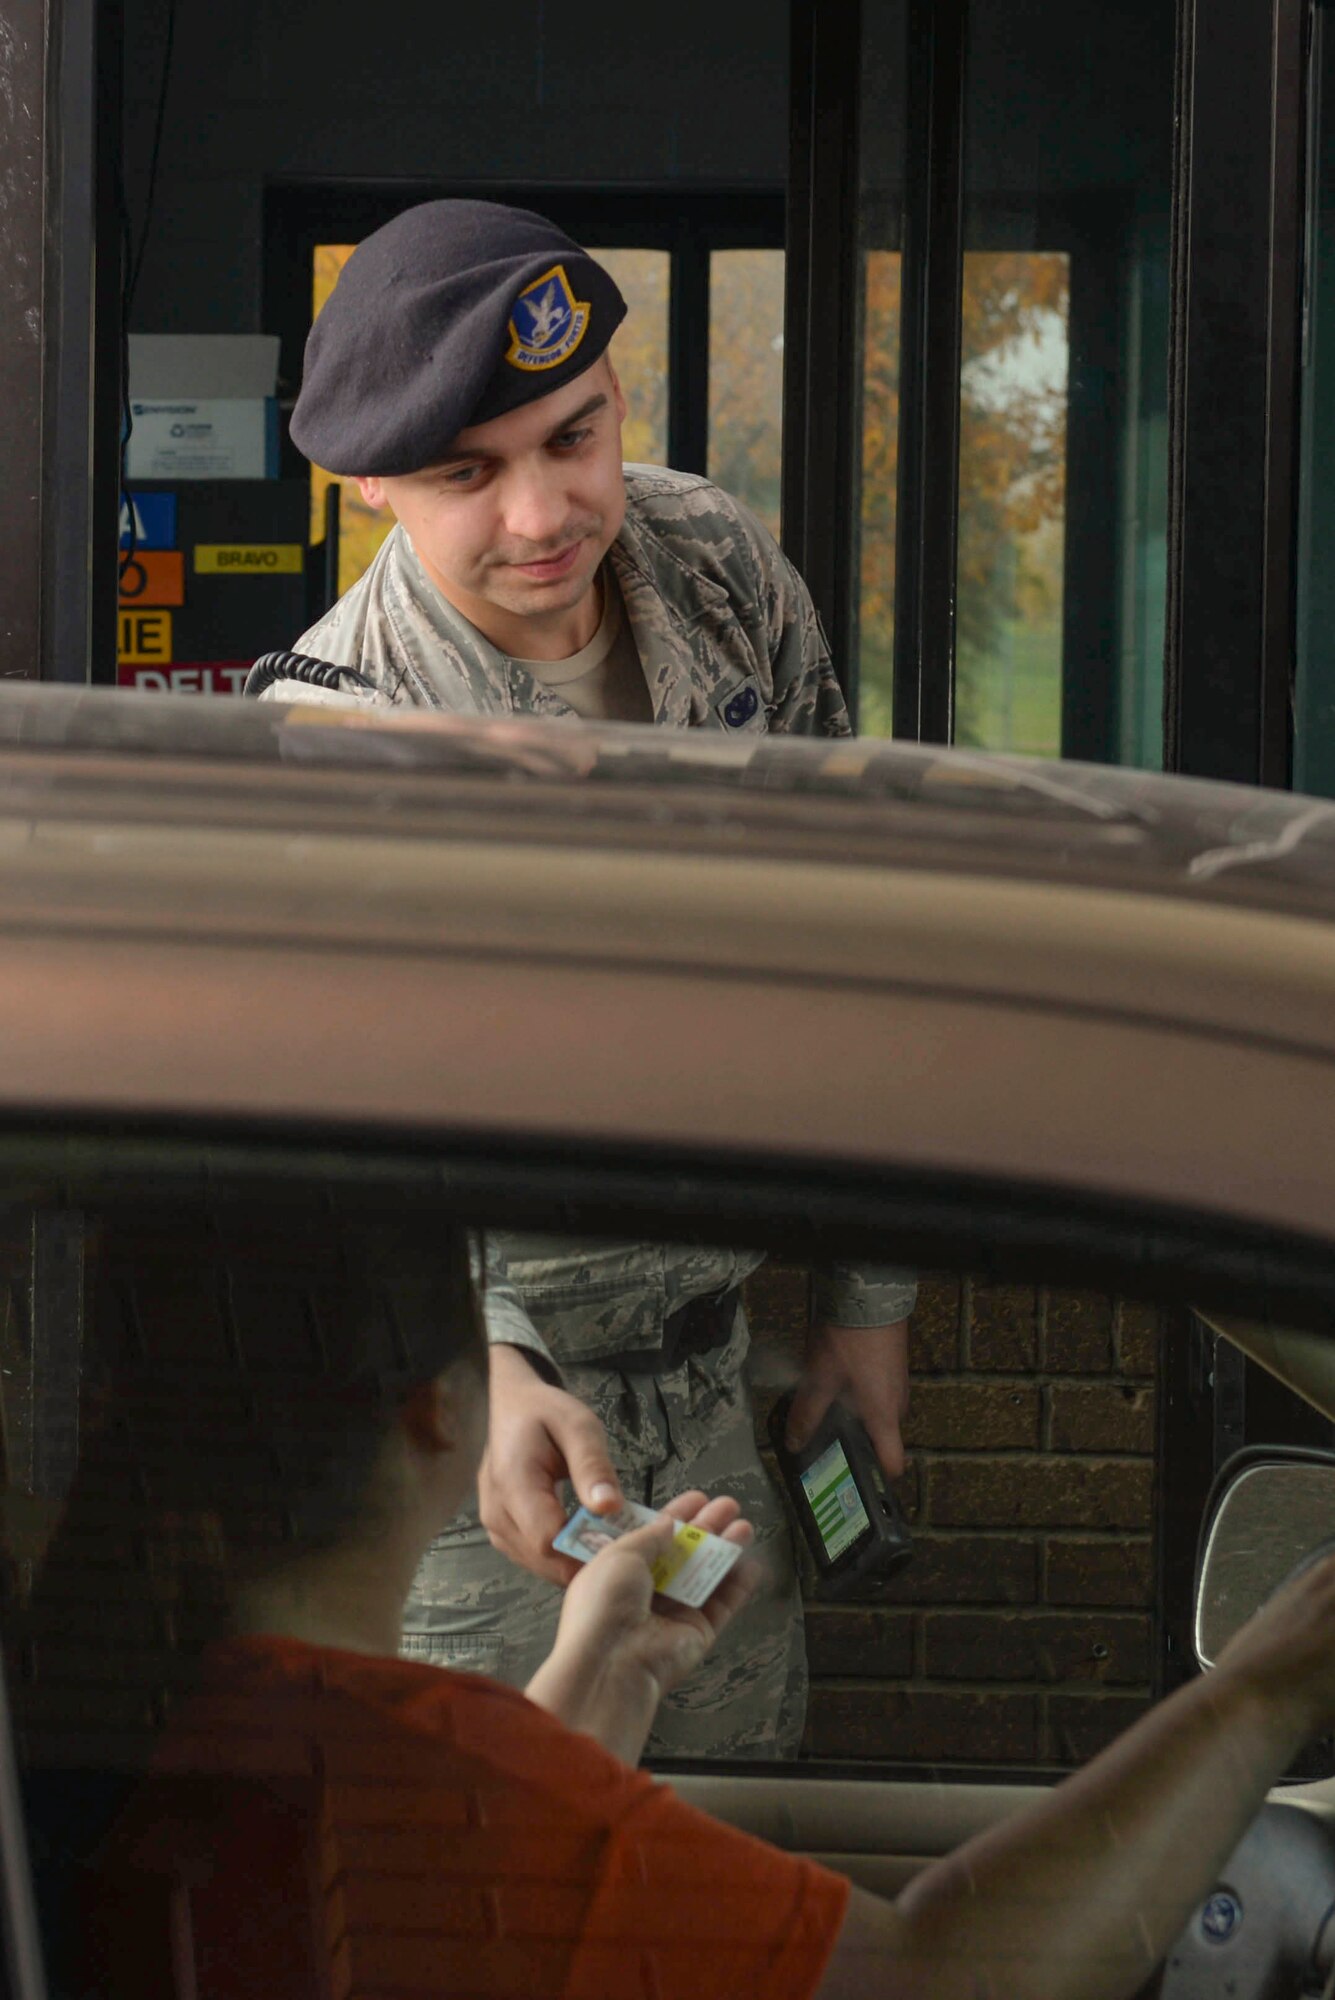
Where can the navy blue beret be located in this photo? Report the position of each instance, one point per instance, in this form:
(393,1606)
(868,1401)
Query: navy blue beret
(452,314)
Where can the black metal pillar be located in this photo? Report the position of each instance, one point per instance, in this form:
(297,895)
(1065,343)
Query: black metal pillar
(1233,393)
(24,141)
(59,142)
(931,293)
(82,401)
(822,375)
(688,355)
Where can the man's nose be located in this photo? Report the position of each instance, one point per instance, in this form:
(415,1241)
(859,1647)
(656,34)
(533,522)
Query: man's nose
(535,503)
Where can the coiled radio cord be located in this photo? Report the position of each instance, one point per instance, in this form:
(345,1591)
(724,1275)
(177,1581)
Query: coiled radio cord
(271,667)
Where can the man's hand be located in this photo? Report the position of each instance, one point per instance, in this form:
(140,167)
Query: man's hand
(868,1366)
(619,1649)
(538,1436)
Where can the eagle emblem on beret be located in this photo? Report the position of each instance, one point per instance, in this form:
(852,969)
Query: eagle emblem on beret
(547,322)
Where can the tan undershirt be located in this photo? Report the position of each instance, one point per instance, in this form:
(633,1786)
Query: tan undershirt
(604,681)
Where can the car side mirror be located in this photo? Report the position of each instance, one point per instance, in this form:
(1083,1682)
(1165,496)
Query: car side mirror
(1270,1511)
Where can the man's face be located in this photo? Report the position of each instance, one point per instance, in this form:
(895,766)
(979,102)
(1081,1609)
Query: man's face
(512,525)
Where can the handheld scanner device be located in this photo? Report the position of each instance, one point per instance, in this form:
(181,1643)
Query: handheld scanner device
(849,1517)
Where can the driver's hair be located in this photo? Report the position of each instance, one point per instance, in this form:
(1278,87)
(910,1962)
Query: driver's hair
(329,1323)
(244,1363)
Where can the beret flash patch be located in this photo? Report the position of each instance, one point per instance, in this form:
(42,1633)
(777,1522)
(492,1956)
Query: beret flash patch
(547,323)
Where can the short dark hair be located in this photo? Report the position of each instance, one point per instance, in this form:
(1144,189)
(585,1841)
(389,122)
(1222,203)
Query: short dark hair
(329,1318)
(407,1309)
(247,1344)
(246,1356)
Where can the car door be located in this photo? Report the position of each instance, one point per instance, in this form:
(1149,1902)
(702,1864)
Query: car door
(151,1283)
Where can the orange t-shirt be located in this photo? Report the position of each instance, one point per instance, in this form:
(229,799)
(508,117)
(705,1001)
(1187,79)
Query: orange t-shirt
(453,1839)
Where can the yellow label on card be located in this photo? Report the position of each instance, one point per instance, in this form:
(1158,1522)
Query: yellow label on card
(684,1545)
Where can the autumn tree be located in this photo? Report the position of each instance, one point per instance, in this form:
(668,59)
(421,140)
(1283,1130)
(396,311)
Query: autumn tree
(746,378)
(1012,468)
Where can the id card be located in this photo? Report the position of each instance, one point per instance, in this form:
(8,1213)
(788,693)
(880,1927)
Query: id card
(689,1573)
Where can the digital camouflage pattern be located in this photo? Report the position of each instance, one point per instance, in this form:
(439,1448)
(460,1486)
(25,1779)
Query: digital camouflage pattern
(578,1307)
(729,640)
(725,628)
(690,1426)
(571,1304)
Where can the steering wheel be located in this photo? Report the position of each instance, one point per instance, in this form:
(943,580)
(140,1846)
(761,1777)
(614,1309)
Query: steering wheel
(1266,1931)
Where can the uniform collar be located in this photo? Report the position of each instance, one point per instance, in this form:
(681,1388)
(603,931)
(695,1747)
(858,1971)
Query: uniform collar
(655,583)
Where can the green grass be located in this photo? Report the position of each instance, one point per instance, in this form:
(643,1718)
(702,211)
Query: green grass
(1007,698)
(1010,697)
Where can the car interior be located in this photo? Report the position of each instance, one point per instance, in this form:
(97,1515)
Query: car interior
(155,1288)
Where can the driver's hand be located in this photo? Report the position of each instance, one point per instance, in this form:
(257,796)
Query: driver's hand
(866,1366)
(538,1436)
(619,1648)
(612,1616)
(1287,1650)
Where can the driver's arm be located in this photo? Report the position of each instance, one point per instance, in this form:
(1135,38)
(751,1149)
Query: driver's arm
(1080,1896)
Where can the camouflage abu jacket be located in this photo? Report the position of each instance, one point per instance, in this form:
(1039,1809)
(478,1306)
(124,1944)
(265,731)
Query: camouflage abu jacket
(729,639)
(724,626)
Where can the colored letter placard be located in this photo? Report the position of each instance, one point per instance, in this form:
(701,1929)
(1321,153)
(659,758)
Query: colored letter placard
(203,677)
(154,521)
(144,638)
(249,559)
(153,576)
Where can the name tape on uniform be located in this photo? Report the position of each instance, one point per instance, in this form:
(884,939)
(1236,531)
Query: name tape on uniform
(144,638)
(249,559)
(153,576)
(204,677)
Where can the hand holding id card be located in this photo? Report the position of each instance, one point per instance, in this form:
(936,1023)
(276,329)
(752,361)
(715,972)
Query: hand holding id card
(689,1573)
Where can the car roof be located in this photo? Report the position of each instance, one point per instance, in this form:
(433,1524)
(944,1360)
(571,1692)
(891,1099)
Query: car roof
(877,967)
(875,802)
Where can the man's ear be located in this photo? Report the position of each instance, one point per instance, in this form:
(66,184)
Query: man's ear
(372,492)
(433,1414)
(618,394)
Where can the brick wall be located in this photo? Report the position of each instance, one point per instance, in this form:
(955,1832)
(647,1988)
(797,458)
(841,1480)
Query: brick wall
(1020,1633)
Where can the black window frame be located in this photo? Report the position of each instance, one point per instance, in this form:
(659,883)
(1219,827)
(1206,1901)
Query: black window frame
(1242,87)
(1234,380)
(934,226)
(808,1212)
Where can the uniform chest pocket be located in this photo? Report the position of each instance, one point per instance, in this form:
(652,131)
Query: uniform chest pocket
(589,1301)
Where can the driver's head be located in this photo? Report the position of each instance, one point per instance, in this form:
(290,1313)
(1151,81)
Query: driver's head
(282,1384)
(281,1402)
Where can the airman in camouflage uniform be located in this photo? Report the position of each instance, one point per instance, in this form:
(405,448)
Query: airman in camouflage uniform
(651,1338)
(724,626)
(595,1316)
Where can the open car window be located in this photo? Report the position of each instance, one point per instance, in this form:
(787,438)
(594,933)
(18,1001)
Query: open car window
(178,1355)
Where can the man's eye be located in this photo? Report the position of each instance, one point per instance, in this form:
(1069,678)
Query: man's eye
(568,440)
(463,475)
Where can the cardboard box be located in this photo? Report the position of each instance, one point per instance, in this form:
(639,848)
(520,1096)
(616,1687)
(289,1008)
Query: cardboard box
(203,406)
